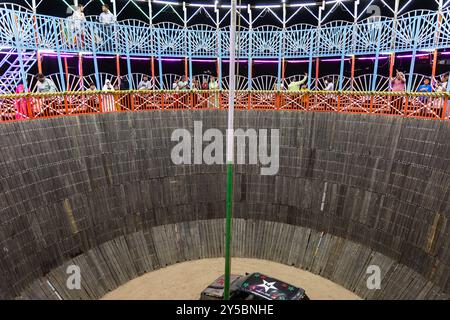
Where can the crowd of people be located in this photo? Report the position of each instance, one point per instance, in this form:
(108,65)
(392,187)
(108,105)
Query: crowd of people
(78,18)
(76,24)
(111,101)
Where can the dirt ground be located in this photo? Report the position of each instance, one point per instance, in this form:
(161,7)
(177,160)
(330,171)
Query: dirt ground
(185,281)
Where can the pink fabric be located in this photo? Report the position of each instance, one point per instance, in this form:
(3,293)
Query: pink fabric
(398,85)
(21,104)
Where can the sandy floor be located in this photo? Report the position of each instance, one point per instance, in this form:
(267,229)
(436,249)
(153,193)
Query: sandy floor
(185,281)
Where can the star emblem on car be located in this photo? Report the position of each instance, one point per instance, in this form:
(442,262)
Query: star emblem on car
(267,286)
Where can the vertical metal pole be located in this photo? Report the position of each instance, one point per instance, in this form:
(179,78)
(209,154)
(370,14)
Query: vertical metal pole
(160,65)
(353,73)
(219,45)
(411,69)
(20,49)
(114,9)
(94,53)
(153,71)
(130,75)
(310,60)
(118,71)
(375,71)
(283,45)
(279,65)
(250,50)
(436,42)
(394,37)
(150,13)
(318,30)
(118,66)
(354,39)
(38,53)
(230,152)
(414,54)
(60,66)
(188,59)
(152,60)
(391,65)
(341,72)
(80,70)
(61,71)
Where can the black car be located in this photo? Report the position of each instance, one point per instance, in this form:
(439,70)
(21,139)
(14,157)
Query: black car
(255,286)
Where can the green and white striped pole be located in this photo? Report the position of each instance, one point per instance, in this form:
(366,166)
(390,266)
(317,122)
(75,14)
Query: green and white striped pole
(230,151)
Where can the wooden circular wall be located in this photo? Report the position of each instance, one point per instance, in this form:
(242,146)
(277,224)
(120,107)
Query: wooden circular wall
(101,192)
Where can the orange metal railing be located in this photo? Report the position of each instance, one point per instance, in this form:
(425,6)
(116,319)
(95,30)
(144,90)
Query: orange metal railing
(35,106)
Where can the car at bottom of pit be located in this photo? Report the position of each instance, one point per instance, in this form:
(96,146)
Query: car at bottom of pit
(254,286)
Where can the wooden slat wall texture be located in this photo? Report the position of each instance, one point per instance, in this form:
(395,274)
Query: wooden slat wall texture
(102,190)
(342,261)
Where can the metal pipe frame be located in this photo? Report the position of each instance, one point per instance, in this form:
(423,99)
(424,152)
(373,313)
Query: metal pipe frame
(338,39)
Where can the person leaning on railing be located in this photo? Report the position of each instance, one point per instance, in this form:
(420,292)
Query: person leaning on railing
(93,100)
(44,85)
(145,84)
(295,85)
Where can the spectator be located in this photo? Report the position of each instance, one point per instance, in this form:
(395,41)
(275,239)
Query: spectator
(425,87)
(108,86)
(214,98)
(398,83)
(282,87)
(442,84)
(47,105)
(145,84)
(124,84)
(213,84)
(295,85)
(195,84)
(45,85)
(106,17)
(77,24)
(329,85)
(20,104)
(92,87)
(93,100)
(117,97)
(175,85)
(205,85)
(183,84)
(108,99)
